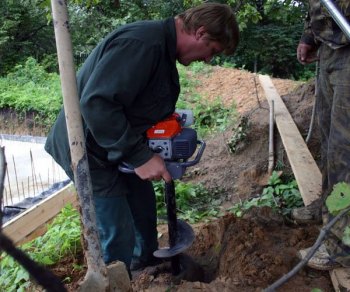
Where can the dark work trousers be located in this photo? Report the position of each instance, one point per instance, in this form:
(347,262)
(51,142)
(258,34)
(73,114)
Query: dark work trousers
(126,214)
(333,111)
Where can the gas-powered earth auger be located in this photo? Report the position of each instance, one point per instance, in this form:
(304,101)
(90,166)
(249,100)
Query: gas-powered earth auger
(175,143)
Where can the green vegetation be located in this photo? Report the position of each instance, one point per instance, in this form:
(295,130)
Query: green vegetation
(239,135)
(281,196)
(210,116)
(338,201)
(270,31)
(61,240)
(194,202)
(29,88)
(271,49)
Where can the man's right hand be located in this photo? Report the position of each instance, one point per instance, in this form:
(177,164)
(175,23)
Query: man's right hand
(306,54)
(154,169)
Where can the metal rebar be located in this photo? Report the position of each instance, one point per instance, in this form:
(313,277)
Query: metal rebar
(271,129)
(23,190)
(16,177)
(313,114)
(35,183)
(41,182)
(9,185)
(256,90)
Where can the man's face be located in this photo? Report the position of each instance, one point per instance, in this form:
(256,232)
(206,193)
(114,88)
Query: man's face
(200,48)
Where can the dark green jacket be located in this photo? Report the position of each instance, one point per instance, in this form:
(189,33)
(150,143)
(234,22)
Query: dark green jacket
(321,28)
(127,84)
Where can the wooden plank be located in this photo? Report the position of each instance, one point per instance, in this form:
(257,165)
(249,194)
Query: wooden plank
(21,227)
(305,169)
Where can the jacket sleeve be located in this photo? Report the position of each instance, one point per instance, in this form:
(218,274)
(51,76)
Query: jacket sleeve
(120,75)
(307,36)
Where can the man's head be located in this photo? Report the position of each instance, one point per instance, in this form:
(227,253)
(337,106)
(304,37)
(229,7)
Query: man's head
(204,31)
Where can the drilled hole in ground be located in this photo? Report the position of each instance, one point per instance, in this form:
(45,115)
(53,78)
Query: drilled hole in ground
(245,255)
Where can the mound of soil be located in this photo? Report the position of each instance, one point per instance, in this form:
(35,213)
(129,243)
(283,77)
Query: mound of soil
(244,173)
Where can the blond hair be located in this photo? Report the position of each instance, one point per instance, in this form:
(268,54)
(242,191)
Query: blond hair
(218,20)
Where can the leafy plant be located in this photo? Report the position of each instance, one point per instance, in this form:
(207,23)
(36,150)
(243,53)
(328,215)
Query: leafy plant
(200,67)
(29,88)
(239,135)
(280,196)
(210,116)
(61,239)
(337,201)
(194,202)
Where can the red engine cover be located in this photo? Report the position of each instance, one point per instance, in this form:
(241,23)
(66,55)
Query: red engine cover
(165,129)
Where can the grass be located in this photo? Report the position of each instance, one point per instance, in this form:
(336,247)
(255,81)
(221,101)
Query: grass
(62,239)
(30,89)
(210,116)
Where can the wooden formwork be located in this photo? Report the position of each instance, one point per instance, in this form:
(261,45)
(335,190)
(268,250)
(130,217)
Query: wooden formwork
(32,222)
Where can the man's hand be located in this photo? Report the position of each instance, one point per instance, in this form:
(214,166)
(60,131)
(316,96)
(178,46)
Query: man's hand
(154,169)
(306,54)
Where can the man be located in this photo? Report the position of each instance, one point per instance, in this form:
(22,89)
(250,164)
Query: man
(323,36)
(127,84)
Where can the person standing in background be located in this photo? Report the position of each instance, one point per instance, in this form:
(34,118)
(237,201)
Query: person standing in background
(324,41)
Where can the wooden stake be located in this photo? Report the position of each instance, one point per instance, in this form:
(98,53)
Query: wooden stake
(96,278)
(305,169)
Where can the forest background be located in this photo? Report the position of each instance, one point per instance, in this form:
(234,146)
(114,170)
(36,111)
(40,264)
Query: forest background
(270,31)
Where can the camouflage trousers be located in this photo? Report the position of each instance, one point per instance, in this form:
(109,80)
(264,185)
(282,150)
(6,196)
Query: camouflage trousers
(333,112)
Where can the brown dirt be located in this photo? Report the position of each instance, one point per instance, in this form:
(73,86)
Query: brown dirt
(244,173)
(246,254)
(250,253)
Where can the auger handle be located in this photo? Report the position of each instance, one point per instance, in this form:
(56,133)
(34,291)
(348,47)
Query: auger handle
(175,168)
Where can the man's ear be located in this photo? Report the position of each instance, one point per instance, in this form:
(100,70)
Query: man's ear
(200,32)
